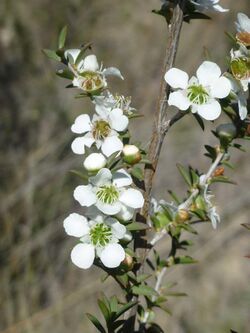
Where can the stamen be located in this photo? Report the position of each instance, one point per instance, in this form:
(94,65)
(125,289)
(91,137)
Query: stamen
(100,234)
(101,129)
(107,194)
(197,94)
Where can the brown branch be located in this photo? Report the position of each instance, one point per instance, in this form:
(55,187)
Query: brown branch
(161,127)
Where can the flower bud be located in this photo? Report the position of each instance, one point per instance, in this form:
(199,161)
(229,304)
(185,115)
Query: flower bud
(131,154)
(240,68)
(94,162)
(226,133)
(128,262)
(243,37)
(182,216)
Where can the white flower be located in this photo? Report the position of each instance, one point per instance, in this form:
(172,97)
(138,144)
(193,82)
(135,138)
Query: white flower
(98,238)
(243,23)
(109,193)
(107,100)
(240,95)
(102,130)
(240,66)
(203,5)
(94,162)
(89,76)
(199,93)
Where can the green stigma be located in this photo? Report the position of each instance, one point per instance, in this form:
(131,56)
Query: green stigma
(107,194)
(197,94)
(101,129)
(100,234)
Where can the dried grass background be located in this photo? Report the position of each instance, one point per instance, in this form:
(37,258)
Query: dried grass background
(40,290)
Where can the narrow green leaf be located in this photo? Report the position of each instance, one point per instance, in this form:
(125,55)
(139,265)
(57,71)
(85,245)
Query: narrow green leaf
(96,322)
(104,309)
(65,73)
(185,260)
(113,304)
(144,290)
(51,54)
(134,226)
(199,121)
(125,308)
(143,277)
(176,294)
(184,174)
(222,179)
(174,197)
(62,37)
(137,173)
(246,225)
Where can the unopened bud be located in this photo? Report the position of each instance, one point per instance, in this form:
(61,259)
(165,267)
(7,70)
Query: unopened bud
(200,203)
(240,67)
(128,262)
(94,162)
(131,154)
(182,216)
(226,133)
(243,37)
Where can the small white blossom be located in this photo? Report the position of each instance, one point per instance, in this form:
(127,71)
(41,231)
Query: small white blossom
(203,5)
(107,100)
(94,162)
(102,130)
(109,193)
(98,238)
(88,75)
(201,92)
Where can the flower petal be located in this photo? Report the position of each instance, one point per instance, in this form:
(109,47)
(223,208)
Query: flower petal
(112,71)
(90,63)
(82,124)
(118,121)
(118,229)
(112,255)
(78,145)
(126,213)
(103,177)
(243,23)
(84,195)
(242,105)
(176,78)
(122,178)
(109,209)
(74,53)
(132,198)
(209,111)
(83,255)
(111,145)
(76,225)
(208,72)
(220,88)
(178,99)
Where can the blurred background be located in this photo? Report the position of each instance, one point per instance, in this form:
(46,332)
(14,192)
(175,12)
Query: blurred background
(40,289)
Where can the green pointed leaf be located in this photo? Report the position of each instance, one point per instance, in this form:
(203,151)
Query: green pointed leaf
(51,54)
(137,173)
(246,225)
(65,73)
(125,308)
(104,309)
(96,322)
(199,121)
(176,294)
(135,226)
(62,37)
(144,290)
(185,260)
(143,277)
(113,304)
(222,179)
(184,174)
(174,197)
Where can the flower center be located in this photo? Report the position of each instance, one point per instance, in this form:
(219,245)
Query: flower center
(101,129)
(92,81)
(197,94)
(240,68)
(100,234)
(107,194)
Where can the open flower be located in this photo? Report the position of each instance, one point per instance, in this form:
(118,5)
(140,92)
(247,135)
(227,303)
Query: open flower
(243,29)
(109,193)
(98,238)
(102,130)
(201,92)
(203,5)
(88,75)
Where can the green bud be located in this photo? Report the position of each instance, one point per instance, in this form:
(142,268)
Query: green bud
(131,154)
(226,133)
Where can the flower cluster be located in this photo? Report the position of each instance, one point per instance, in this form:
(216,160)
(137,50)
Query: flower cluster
(109,196)
(202,93)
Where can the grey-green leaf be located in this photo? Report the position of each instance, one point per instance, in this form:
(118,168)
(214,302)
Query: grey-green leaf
(62,37)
